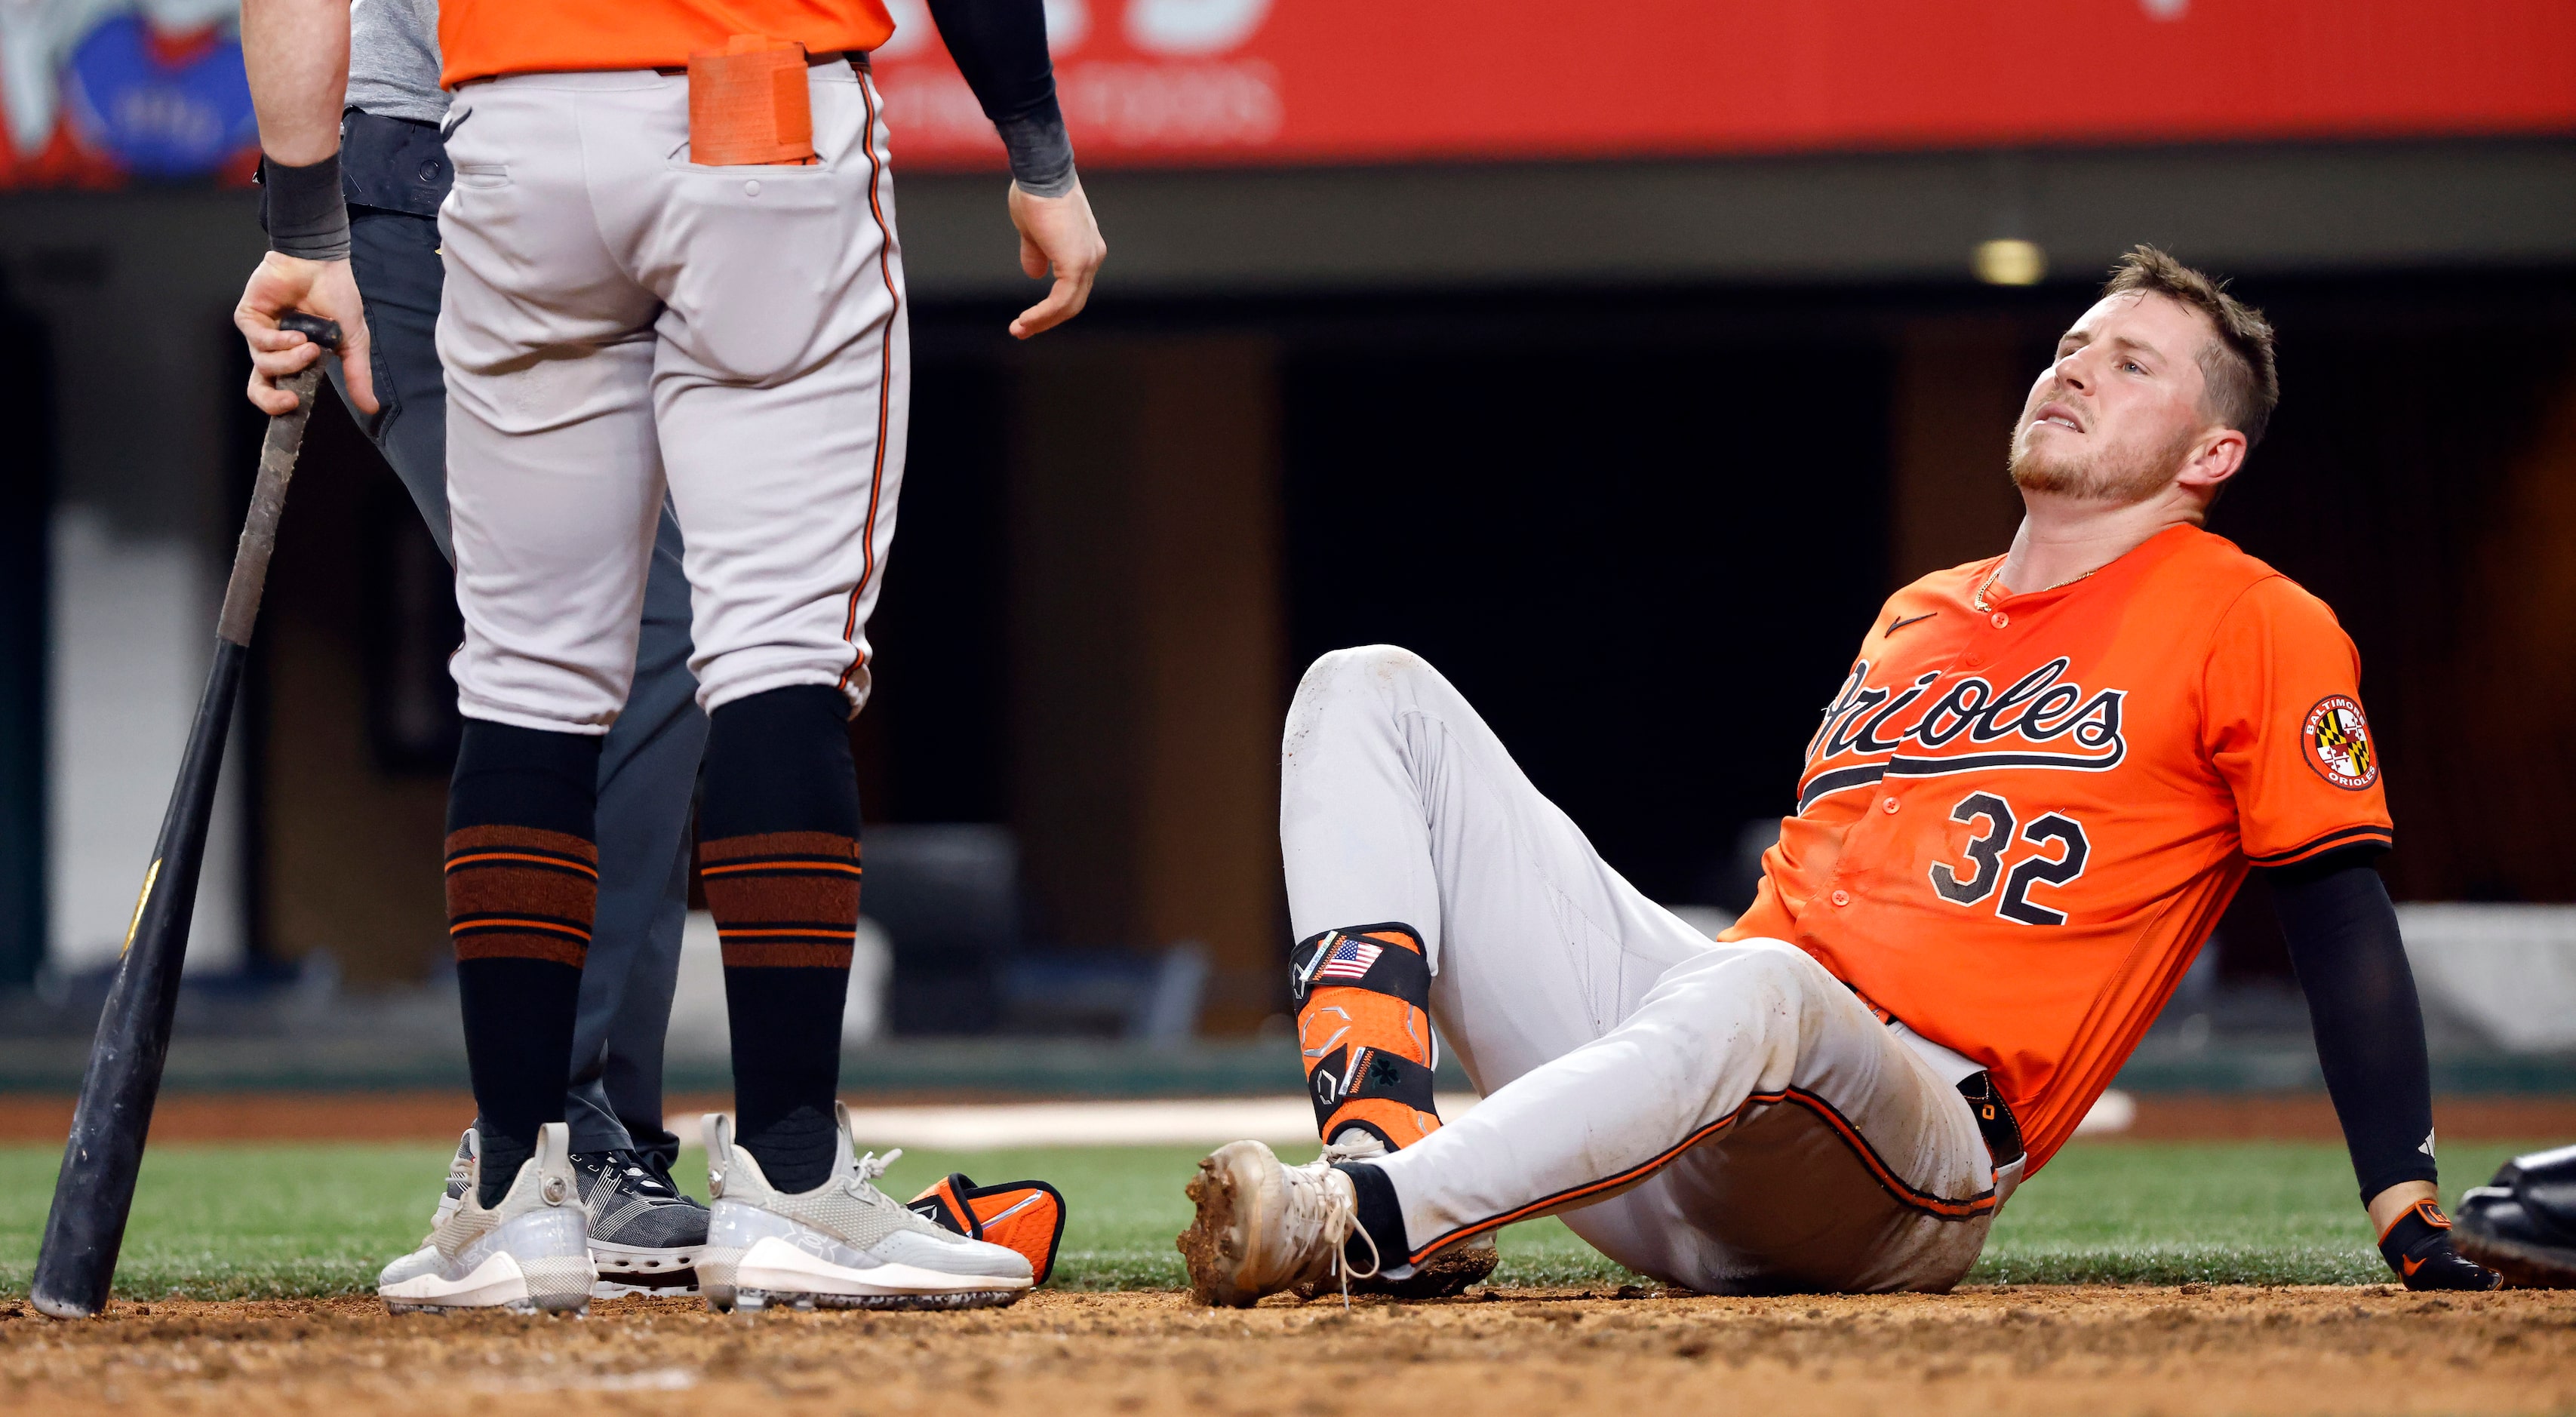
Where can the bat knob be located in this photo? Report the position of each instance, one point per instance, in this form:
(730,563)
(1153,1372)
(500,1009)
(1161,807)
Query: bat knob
(325,333)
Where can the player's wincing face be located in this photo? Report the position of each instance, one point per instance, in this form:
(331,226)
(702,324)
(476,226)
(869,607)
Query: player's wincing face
(2120,411)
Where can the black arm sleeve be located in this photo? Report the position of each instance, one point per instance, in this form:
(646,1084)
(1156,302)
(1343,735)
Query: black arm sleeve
(1001,48)
(2342,933)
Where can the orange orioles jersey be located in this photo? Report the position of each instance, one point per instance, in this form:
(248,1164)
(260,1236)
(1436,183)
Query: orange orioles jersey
(482,39)
(2016,825)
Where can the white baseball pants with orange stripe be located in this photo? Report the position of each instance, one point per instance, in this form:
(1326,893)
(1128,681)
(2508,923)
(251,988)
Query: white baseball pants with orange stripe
(1727,1118)
(618,320)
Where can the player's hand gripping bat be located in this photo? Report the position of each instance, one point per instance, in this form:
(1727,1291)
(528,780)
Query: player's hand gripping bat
(96,1187)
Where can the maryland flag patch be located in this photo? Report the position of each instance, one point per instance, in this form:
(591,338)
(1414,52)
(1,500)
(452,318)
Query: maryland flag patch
(2337,743)
(1027,1216)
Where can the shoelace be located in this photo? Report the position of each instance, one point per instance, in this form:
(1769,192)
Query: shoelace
(1340,1218)
(636,1172)
(870,1166)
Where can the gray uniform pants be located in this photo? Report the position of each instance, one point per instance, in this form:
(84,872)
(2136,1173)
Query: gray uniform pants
(648,767)
(1727,1117)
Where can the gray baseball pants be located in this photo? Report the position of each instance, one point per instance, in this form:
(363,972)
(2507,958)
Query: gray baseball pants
(648,767)
(1725,1117)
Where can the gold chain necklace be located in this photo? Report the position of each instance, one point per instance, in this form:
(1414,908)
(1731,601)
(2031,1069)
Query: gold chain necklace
(1977,597)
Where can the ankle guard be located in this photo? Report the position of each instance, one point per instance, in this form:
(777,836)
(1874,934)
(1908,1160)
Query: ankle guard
(1027,1216)
(1364,1026)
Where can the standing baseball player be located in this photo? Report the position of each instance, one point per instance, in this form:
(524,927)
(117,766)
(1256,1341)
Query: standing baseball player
(392,174)
(670,267)
(2023,812)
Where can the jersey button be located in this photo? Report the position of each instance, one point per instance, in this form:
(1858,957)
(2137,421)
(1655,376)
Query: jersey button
(1842,897)
(1973,659)
(752,189)
(2001,619)
(1889,804)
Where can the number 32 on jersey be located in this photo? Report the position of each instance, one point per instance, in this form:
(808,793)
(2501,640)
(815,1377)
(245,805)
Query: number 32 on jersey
(2055,858)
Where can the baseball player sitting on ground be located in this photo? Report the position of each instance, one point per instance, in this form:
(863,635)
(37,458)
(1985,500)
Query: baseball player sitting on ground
(669,263)
(2043,780)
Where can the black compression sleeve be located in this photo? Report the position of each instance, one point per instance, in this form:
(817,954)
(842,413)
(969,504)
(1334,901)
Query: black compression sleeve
(1001,48)
(2342,933)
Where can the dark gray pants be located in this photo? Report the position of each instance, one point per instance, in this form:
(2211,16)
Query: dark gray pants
(648,768)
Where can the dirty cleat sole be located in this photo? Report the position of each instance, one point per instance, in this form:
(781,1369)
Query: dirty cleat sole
(1259,1230)
(1446,1275)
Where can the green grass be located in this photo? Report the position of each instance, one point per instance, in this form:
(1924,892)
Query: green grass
(278,1220)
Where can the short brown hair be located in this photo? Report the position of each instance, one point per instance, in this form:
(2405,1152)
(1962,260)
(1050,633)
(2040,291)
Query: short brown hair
(2243,383)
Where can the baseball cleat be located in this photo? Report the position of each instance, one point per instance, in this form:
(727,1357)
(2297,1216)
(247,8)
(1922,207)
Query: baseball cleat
(1446,1273)
(644,1234)
(2522,1224)
(1264,1227)
(529,1254)
(843,1245)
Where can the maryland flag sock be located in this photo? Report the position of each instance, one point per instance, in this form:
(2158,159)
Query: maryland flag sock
(1364,1025)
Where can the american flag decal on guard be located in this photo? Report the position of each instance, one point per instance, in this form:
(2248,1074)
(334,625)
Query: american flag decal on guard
(1349,959)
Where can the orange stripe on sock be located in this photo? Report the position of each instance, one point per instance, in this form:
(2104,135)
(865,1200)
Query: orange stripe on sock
(486,857)
(847,868)
(463,927)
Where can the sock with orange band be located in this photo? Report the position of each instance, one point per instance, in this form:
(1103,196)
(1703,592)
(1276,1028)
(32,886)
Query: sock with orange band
(778,851)
(522,883)
(1364,1026)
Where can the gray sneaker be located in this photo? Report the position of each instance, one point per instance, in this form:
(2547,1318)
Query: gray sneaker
(843,1245)
(644,1235)
(528,1254)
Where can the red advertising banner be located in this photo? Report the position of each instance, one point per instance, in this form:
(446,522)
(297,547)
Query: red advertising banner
(106,92)
(1201,82)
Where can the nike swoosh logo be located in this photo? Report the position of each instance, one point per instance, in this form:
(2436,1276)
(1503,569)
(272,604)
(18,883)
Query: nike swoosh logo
(1900,622)
(2410,1265)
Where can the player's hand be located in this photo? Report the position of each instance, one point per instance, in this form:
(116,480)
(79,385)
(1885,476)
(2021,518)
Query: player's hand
(324,288)
(2418,1247)
(1056,234)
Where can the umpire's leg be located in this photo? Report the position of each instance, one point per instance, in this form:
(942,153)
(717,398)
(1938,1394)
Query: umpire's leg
(648,766)
(648,775)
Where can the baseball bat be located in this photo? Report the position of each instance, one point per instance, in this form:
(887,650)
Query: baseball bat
(95,1189)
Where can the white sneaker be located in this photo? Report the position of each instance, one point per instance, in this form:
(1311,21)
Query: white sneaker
(843,1245)
(1264,1227)
(530,1253)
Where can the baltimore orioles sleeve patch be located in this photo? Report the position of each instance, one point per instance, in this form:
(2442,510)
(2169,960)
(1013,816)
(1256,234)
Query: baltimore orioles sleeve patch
(1027,1216)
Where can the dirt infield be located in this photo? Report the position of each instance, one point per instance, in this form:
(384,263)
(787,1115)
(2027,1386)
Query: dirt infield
(1980,1352)
(438,1116)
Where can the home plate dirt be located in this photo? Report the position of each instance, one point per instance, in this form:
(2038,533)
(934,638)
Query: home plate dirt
(1978,1353)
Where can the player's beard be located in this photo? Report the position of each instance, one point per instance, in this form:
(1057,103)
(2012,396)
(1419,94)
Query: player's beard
(2103,474)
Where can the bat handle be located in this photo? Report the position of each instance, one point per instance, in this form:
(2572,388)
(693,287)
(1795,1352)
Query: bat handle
(325,333)
(268,494)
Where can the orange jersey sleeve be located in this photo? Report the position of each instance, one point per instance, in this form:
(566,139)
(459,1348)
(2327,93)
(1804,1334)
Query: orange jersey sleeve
(2285,728)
